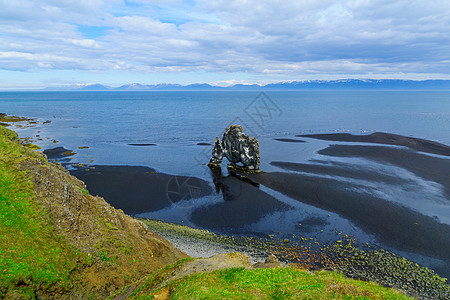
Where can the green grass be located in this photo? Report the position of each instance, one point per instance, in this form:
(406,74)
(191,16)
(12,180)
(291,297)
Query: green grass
(146,284)
(371,264)
(277,283)
(240,283)
(270,283)
(31,255)
(85,192)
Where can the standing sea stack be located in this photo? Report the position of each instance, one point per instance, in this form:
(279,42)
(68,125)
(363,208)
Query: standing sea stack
(237,147)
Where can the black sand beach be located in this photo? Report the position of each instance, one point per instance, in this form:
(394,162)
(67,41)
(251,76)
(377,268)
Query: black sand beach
(142,145)
(424,166)
(244,203)
(290,140)
(318,182)
(387,139)
(140,189)
(394,225)
(321,167)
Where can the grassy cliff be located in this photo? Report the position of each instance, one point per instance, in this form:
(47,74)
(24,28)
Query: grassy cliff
(58,241)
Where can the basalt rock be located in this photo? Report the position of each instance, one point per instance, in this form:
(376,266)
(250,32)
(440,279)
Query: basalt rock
(237,147)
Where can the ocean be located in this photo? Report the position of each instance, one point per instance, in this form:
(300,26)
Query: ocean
(176,121)
(170,132)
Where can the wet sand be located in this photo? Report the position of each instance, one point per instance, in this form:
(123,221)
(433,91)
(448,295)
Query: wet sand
(290,140)
(244,204)
(387,139)
(425,166)
(140,189)
(134,189)
(339,169)
(137,189)
(317,183)
(56,153)
(394,225)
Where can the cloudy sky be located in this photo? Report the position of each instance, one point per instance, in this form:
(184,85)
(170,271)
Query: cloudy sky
(113,42)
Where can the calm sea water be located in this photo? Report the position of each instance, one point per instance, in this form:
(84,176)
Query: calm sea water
(108,122)
(176,121)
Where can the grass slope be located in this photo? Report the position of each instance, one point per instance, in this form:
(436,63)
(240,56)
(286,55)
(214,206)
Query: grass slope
(276,283)
(57,241)
(369,264)
(248,283)
(31,256)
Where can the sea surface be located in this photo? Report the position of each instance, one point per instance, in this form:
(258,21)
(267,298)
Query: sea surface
(176,121)
(162,130)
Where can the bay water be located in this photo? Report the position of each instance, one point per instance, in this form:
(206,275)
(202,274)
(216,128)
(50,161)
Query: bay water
(170,132)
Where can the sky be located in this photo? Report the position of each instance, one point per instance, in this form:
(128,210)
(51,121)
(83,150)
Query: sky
(113,42)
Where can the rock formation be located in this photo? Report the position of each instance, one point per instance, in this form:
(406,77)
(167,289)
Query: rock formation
(237,147)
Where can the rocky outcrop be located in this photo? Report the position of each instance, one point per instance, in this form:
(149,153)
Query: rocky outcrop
(237,147)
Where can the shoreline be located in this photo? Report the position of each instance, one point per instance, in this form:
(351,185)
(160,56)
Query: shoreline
(116,170)
(203,243)
(368,264)
(138,190)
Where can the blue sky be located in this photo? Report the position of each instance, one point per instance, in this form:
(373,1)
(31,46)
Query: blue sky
(113,42)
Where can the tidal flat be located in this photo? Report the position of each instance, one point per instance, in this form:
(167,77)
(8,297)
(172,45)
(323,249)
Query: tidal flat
(239,203)
(377,175)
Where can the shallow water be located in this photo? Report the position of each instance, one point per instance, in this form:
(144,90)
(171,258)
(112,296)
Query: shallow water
(108,122)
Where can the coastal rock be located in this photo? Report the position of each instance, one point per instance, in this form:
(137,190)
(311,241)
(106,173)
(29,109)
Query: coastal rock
(237,147)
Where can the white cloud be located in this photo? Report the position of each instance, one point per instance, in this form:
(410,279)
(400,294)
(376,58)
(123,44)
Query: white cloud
(288,38)
(144,26)
(87,43)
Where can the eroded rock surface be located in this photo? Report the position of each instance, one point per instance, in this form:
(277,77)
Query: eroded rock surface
(237,147)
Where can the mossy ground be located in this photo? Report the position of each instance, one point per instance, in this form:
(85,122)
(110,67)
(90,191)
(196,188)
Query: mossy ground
(57,241)
(31,255)
(277,283)
(261,283)
(370,264)
(8,119)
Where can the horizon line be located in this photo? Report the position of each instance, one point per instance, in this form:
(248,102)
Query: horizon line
(166,85)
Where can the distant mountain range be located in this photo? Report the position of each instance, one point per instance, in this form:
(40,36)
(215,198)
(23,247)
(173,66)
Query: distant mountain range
(343,84)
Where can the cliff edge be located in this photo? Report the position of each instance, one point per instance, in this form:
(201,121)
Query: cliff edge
(58,241)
